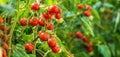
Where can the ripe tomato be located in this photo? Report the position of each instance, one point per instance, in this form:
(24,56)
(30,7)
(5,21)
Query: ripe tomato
(56,49)
(52,42)
(1,20)
(79,35)
(34,21)
(29,47)
(44,36)
(23,21)
(35,6)
(80,6)
(50,27)
(87,13)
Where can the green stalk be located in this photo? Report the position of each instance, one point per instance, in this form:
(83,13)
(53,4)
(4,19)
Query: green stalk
(12,30)
(35,33)
(47,53)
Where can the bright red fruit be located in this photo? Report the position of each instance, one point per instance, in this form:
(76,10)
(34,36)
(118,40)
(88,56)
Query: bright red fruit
(44,36)
(89,7)
(34,22)
(52,42)
(1,20)
(90,44)
(79,35)
(4,54)
(58,16)
(29,47)
(5,39)
(80,6)
(50,27)
(57,10)
(87,13)
(41,23)
(54,9)
(47,16)
(23,21)
(85,39)
(1,35)
(89,49)
(56,49)
(5,46)
(3,28)
(35,6)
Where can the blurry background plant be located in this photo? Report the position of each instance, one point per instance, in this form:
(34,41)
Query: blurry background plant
(102,28)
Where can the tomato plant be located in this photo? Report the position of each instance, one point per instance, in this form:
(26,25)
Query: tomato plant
(59,28)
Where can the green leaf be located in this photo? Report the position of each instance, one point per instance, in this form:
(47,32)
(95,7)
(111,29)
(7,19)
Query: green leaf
(87,27)
(49,2)
(60,43)
(19,51)
(3,1)
(104,50)
(7,9)
(96,16)
(117,21)
(27,38)
(112,47)
(63,49)
(68,15)
(97,5)
(106,4)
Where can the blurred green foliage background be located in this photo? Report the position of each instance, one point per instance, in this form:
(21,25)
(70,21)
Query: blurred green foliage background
(103,30)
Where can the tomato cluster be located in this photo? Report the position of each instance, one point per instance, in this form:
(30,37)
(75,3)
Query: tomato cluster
(89,45)
(43,21)
(51,40)
(4,38)
(86,12)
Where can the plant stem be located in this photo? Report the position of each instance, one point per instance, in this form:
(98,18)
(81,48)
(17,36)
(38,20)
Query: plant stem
(12,30)
(46,53)
(40,53)
(35,38)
